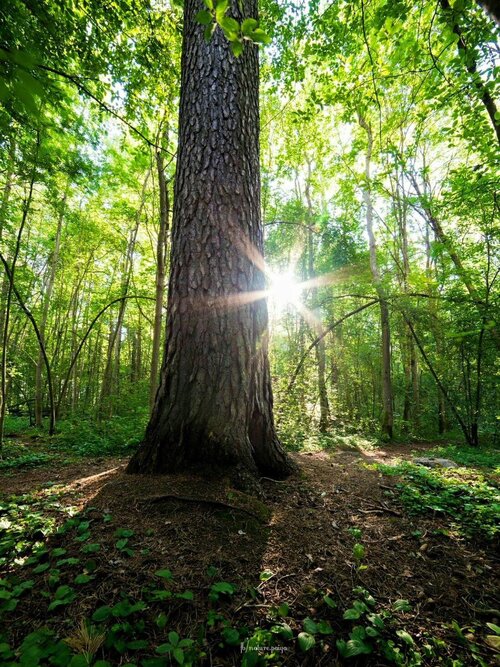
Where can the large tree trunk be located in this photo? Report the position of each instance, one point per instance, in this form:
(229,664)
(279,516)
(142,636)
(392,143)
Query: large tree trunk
(214,404)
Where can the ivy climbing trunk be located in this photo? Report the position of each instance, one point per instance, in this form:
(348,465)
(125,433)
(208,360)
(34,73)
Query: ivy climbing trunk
(213,408)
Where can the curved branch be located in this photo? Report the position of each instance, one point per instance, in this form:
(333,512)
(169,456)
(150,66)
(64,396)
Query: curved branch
(463,426)
(323,334)
(41,343)
(83,88)
(86,335)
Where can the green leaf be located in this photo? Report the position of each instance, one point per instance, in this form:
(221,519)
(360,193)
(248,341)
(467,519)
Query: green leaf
(495,628)
(405,636)
(248,26)
(173,638)
(161,620)
(231,636)
(283,610)
(186,595)
(324,627)
(178,654)
(283,629)
(356,647)
(310,626)
(223,587)
(101,614)
(83,579)
(237,48)
(220,9)
(125,608)
(68,561)
(229,24)
(329,601)
(162,649)
(124,532)
(358,551)
(63,592)
(209,31)
(259,36)
(164,574)
(305,641)
(376,620)
(56,553)
(401,605)
(41,568)
(204,17)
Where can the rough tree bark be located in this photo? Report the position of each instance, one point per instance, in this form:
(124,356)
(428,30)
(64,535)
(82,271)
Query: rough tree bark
(214,404)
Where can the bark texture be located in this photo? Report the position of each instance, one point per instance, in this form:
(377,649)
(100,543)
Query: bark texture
(214,403)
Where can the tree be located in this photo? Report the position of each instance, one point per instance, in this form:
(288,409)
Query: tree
(214,404)
(387,397)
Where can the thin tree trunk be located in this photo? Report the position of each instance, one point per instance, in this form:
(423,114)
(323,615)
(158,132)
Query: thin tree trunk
(324,408)
(10,273)
(453,407)
(52,267)
(387,395)
(443,238)
(161,256)
(7,190)
(112,367)
(470,60)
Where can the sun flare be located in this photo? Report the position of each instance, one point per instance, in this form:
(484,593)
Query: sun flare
(284,290)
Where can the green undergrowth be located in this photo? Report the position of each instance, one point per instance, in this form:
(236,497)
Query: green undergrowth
(61,558)
(113,437)
(313,441)
(467,497)
(16,455)
(28,447)
(464,455)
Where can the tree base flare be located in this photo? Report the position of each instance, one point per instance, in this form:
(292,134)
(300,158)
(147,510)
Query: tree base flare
(239,464)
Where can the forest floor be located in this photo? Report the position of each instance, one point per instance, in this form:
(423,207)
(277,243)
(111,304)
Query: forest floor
(359,559)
